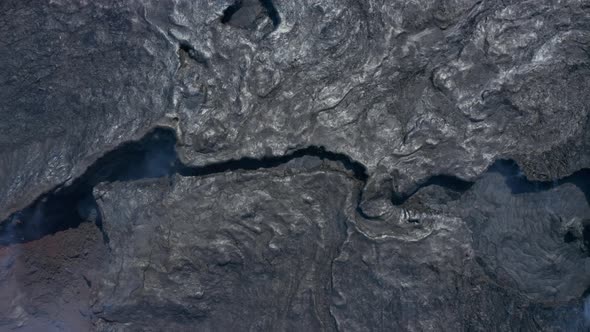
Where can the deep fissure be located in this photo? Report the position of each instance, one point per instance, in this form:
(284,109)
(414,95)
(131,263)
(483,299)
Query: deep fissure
(230,11)
(192,53)
(514,178)
(272,12)
(519,184)
(155,156)
(248,163)
(67,207)
(446,181)
(268,6)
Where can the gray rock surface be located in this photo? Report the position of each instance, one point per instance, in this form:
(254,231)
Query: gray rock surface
(283,249)
(334,167)
(261,260)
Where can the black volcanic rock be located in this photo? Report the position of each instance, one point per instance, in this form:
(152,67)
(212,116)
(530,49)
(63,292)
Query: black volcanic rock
(286,165)
(262,260)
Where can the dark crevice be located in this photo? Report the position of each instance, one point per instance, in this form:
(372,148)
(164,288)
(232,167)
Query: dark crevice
(268,6)
(272,12)
(515,179)
(69,206)
(230,11)
(185,47)
(88,281)
(247,163)
(569,237)
(192,53)
(519,184)
(153,156)
(449,182)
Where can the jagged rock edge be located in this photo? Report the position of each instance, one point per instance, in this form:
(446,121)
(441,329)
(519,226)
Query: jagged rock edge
(359,172)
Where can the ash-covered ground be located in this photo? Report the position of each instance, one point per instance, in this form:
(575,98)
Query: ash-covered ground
(274,165)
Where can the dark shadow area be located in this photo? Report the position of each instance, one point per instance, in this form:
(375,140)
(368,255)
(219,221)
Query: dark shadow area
(185,47)
(269,10)
(514,177)
(192,53)
(230,11)
(272,12)
(67,207)
(153,156)
(448,182)
(356,168)
(519,184)
(569,237)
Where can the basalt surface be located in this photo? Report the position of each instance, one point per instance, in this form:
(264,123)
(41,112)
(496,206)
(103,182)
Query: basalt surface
(292,165)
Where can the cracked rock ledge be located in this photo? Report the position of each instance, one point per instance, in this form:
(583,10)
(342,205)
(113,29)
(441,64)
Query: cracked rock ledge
(211,246)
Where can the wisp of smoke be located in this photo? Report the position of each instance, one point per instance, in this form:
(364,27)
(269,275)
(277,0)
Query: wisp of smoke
(157,163)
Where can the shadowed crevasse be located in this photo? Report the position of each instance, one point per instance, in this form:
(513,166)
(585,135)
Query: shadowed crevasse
(269,9)
(446,181)
(230,11)
(192,53)
(67,206)
(272,12)
(155,156)
(247,163)
(519,184)
(515,179)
